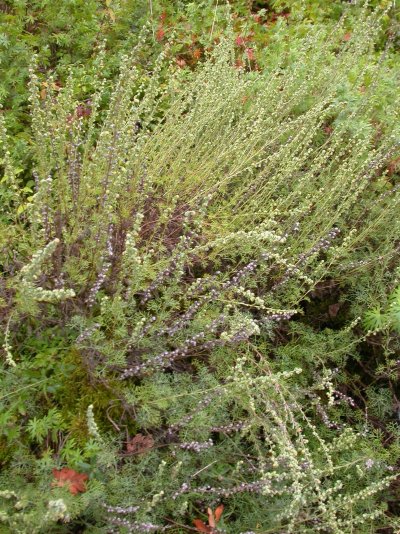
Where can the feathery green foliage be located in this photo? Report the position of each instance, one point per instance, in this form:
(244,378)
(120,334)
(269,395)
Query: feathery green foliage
(160,279)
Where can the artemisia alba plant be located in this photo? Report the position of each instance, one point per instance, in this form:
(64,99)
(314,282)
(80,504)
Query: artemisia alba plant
(180,220)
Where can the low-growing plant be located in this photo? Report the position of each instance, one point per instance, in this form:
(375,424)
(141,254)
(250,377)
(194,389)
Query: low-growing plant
(174,231)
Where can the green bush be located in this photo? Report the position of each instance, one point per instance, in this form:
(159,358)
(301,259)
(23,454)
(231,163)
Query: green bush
(158,278)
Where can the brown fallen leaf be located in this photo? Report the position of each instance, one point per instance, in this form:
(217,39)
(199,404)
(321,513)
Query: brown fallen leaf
(213,520)
(139,444)
(393,166)
(76,482)
(334,309)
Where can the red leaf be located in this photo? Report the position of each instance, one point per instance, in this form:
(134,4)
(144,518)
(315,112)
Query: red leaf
(347,36)
(240,41)
(218,512)
(250,53)
(160,33)
(201,526)
(68,477)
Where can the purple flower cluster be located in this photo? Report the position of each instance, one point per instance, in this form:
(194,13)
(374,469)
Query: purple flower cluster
(87,333)
(202,284)
(142,332)
(247,269)
(325,419)
(104,270)
(212,295)
(257,486)
(46,186)
(121,509)
(163,275)
(185,488)
(280,316)
(166,358)
(199,341)
(228,429)
(177,262)
(74,168)
(197,446)
(185,420)
(390,192)
(136,526)
(345,398)
(323,244)
(187,316)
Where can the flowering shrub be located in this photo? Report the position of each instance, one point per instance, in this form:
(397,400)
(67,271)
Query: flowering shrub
(154,292)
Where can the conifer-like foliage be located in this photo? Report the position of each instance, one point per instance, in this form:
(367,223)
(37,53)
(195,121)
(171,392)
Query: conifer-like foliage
(163,350)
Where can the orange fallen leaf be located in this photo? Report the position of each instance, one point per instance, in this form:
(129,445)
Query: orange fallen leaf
(218,512)
(201,526)
(213,520)
(197,53)
(76,482)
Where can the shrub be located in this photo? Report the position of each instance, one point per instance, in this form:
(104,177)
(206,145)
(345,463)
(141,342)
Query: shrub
(175,227)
